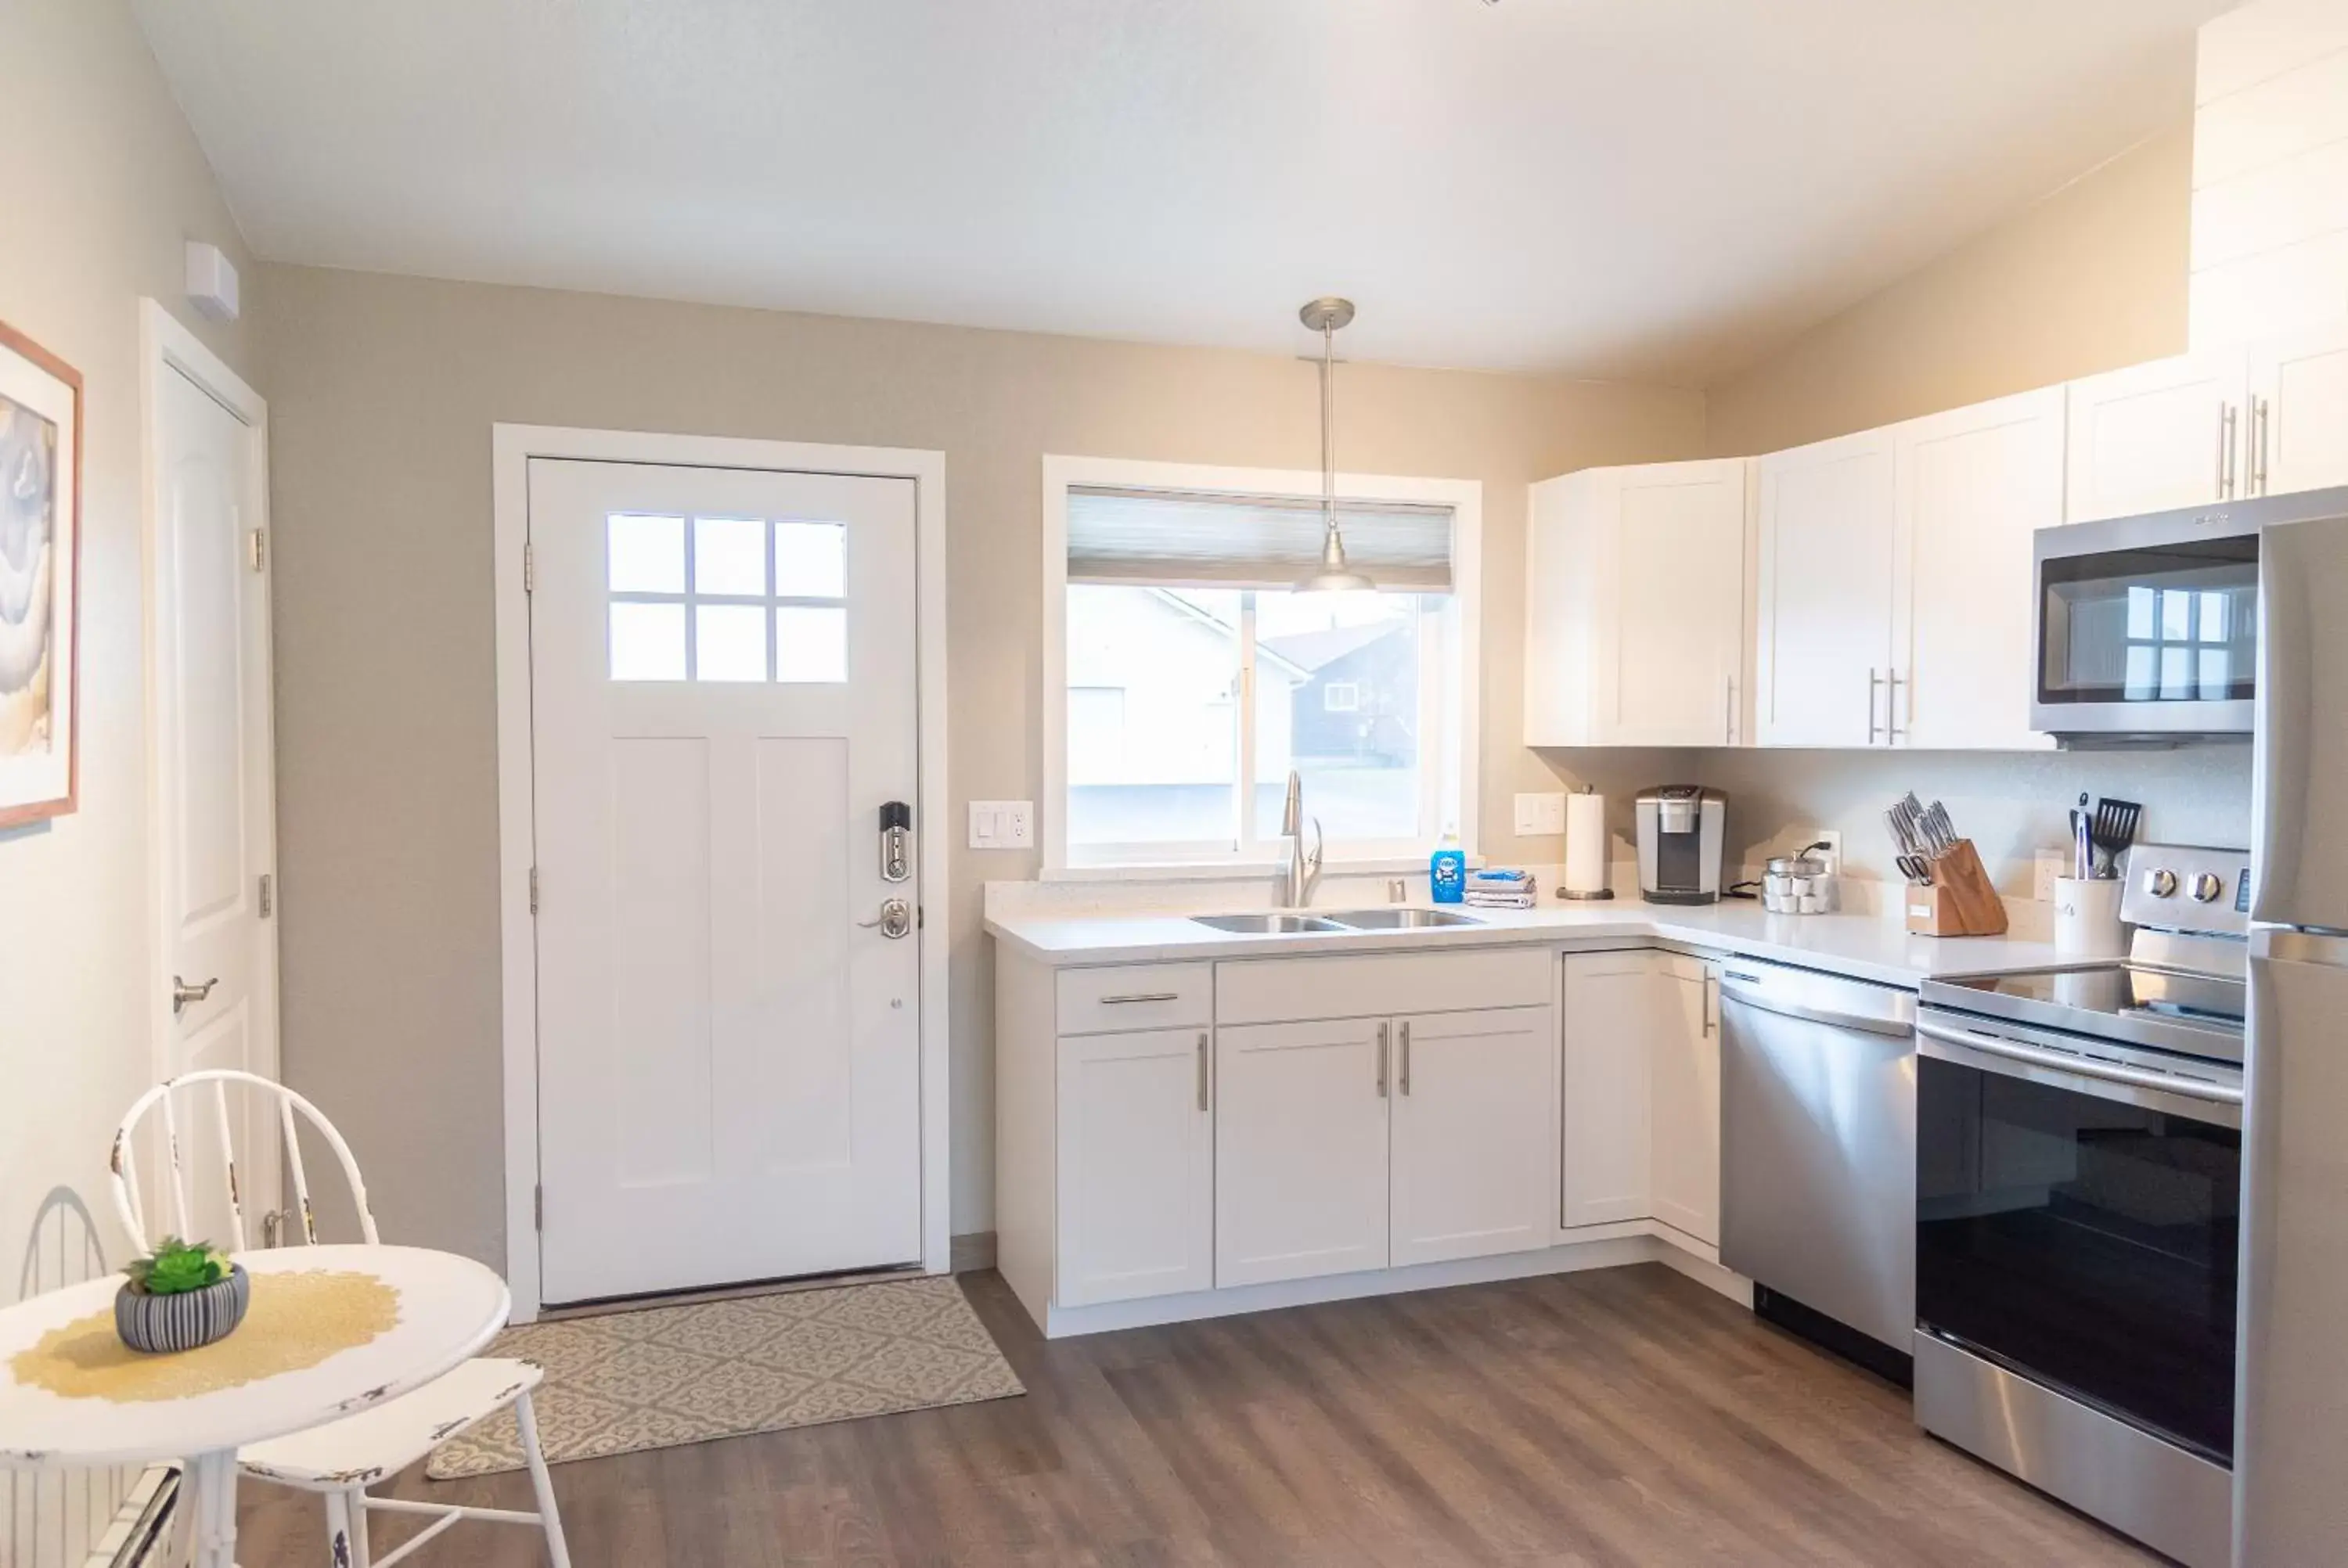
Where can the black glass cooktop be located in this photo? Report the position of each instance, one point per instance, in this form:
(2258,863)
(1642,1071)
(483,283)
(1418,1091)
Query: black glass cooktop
(2124,990)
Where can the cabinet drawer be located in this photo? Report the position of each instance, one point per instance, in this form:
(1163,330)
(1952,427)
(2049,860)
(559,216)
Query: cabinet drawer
(1368,985)
(1136,996)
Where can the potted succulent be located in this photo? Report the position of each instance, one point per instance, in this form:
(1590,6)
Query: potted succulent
(184,1295)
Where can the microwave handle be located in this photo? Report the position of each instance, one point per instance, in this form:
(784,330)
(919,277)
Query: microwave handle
(1966,1047)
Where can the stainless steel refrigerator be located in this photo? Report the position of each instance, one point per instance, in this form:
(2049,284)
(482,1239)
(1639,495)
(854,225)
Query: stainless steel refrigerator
(2291,1464)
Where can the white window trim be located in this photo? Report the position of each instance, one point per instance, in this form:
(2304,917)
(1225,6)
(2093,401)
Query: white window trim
(1465,497)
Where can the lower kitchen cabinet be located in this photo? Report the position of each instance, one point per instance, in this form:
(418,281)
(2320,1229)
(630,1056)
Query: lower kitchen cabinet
(1470,1145)
(1135,1172)
(1300,1149)
(1684,1061)
(1641,1092)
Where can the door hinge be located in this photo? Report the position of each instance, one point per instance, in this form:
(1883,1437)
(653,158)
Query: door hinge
(257,550)
(533,889)
(268,895)
(529,568)
(537,1206)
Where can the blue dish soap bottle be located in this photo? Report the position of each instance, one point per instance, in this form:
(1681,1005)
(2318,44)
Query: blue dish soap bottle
(1447,869)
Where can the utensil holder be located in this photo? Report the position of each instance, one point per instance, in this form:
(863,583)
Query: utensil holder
(2087,918)
(1961,900)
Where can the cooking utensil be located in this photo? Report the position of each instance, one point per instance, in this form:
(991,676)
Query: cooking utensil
(1942,831)
(2114,830)
(2082,850)
(1916,868)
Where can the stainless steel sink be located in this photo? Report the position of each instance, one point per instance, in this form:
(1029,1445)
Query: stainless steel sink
(1266,925)
(1401,919)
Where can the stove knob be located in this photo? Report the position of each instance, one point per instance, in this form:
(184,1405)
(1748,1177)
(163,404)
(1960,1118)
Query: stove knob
(2160,884)
(2208,887)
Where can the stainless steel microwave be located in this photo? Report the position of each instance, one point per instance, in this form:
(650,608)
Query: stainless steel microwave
(2148,627)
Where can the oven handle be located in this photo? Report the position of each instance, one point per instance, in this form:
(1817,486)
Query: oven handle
(1962,1047)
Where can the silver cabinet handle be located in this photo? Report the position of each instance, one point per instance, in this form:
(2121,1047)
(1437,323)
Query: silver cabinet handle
(1711,1001)
(1731,710)
(1892,731)
(184,996)
(1406,1056)
(1202,1069)
(2259,424)
(2228,453)
(1141,997)
(1384,1033)
(1874,680)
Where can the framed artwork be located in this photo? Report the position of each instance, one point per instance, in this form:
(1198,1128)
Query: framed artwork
(40,590)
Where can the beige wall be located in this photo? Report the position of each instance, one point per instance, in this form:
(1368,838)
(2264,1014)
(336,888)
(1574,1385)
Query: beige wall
(384,393)
(2092,278)
(105,185)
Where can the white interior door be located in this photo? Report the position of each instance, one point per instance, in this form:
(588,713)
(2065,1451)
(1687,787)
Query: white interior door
(216,992)
(723,701)
(1826,567)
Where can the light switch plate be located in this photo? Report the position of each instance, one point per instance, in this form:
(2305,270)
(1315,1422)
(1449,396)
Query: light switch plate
(1003,825)
(1539,813)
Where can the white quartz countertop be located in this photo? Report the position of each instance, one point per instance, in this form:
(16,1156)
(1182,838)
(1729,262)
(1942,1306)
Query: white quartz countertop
(1862,947)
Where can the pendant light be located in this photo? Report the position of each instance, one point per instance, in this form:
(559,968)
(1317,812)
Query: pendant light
(1334,576)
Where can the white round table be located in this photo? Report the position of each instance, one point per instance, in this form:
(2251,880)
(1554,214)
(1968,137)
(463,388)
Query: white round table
(449,1307)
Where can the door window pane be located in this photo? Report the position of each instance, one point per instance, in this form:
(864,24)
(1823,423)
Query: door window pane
(1153,715)
(647,641)
(729,642)
(729,557)
(644,555)
(1337,689)
(810,560)
(810,643)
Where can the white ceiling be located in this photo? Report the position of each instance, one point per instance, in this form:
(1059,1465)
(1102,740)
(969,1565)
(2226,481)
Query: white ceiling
(1656,188)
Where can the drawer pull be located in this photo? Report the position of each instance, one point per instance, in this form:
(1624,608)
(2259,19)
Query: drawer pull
(1141,997)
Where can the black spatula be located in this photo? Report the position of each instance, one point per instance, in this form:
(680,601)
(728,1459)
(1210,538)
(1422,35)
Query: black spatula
(2114,830)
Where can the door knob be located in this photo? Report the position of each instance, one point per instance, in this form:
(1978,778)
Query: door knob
(895,919)
(183,994)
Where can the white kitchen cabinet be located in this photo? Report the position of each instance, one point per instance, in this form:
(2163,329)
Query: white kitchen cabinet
(1684,1061)
(1634,610)
(1610,1020)
(1972,486)
(1822,666)
(1135,1168)
(1300,1149)
(1471,1140)
(2298,431)
(2156,436)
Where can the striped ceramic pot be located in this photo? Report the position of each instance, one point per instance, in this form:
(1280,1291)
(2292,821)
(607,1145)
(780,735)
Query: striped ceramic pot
(158,1324)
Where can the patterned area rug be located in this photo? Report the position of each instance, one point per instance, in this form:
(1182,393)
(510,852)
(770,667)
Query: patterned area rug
(670,1375)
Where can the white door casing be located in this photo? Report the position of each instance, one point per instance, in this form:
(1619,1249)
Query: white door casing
(729,1083)
(211,737)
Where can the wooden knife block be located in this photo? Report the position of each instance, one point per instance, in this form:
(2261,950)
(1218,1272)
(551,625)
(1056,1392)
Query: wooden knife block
(1960,902)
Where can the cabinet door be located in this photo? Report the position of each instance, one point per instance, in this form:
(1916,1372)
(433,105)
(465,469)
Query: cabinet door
(1300,1149)
(1825,652)
(1608,1015)
(2299,414)
(1671,622)
(2154,436)
(1974,485)
(1472,1133)
(1137,1175)
(1683,1064)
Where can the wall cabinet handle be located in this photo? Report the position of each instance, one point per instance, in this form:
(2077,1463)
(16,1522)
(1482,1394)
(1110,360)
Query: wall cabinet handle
(1874,680)
(1406,1057)
(2228,452)
(1711,1001)
(1892,733)
(2259,424)
(1202,1069)
(1731,710)
(1383,1034)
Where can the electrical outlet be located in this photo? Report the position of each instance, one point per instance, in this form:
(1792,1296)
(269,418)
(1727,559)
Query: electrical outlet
(2049,865)
(1538,814)
(1832,838)
(1001,825)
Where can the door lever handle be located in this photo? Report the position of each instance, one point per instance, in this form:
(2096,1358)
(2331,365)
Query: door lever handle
(895,919)
(184,996)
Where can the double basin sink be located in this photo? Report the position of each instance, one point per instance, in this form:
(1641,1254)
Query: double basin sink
(1341,920)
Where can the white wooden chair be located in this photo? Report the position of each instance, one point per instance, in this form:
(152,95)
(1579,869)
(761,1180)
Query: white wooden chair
(340,1460)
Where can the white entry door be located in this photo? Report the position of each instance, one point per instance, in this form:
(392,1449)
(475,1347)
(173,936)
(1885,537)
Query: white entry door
(216,989)
(723,708)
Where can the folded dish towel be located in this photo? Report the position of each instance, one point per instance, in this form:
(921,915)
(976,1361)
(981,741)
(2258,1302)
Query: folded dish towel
(1499,888)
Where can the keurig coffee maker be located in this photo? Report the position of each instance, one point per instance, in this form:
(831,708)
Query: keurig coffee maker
(1681,828)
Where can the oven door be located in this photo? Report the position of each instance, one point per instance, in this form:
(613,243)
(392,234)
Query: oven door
(2148,626)
(2077,1219)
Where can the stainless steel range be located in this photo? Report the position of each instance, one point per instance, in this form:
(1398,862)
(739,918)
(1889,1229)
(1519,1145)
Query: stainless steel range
(2078,1204)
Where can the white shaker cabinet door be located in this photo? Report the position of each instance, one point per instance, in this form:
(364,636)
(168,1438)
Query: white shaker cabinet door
(1685,1077)
(1609,1017)
(1136,1174)
(1671,632)
(1824,658)
(1472,1133)
(2299,413)
(2156,437)
(1300,1149)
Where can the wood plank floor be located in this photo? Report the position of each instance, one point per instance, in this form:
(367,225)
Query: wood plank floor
(1621,1416)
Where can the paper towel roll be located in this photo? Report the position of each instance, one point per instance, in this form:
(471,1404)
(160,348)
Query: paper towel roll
(1585,845)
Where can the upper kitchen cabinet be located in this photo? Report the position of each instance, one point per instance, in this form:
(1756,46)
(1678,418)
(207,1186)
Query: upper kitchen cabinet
(2297,430)
(1635,606)
(1973,485)
(2160,435)
(1822,675)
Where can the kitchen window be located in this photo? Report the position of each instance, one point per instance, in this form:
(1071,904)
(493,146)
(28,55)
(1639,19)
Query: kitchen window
(1186,677)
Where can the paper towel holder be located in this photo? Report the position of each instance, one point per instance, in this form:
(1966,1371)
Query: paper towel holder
(1602,890)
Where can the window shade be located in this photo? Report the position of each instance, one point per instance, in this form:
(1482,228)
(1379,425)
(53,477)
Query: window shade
(1174,537)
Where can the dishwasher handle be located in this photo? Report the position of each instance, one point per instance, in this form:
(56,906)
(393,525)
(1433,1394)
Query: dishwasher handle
(1812,1001)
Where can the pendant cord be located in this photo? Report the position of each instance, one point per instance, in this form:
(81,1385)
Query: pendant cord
(1328,428)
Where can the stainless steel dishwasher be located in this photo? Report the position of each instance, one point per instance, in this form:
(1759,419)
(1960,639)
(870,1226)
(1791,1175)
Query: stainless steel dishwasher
(1818,1178)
